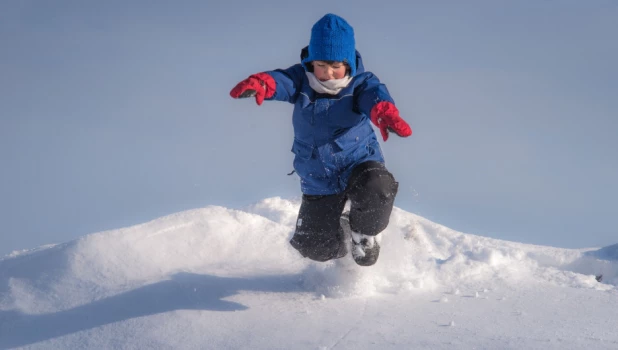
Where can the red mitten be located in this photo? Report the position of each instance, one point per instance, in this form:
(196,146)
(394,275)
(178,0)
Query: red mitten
(386,117)
(260,85)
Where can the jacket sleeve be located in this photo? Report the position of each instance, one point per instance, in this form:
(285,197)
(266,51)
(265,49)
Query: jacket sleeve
(370,93)
(288,83)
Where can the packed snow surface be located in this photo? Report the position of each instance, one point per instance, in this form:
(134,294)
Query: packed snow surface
(218,278)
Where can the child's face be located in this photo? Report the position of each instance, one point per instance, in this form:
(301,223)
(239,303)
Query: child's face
(327,71)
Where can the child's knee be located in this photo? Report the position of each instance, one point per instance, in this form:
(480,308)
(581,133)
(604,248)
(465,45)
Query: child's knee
(372,193)
(383,187)
(372,184)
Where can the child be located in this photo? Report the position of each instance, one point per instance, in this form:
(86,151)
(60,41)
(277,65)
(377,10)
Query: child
(337,155)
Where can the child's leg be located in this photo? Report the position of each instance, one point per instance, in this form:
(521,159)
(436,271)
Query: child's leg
(371,190)
(318,233)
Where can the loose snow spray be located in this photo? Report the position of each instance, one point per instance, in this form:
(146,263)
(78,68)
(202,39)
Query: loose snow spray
(405,264)
(417,254)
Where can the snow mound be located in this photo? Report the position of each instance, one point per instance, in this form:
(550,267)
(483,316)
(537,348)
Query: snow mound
(212,240)
(216,242)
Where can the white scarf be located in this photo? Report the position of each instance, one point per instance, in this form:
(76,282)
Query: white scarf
(331,87)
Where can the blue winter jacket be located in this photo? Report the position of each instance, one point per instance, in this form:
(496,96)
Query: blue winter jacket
(332,133)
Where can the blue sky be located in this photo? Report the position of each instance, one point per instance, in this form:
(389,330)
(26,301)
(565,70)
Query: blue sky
(114,113)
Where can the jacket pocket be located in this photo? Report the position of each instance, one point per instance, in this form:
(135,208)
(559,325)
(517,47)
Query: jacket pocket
(357,145)
(308,165)
(353,138)
(302,150)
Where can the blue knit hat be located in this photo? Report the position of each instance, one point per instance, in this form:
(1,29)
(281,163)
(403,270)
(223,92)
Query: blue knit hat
(332,39)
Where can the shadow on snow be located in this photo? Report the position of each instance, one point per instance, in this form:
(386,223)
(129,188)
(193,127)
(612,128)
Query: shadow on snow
(184,291)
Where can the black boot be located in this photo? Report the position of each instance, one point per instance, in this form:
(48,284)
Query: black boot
(365,249)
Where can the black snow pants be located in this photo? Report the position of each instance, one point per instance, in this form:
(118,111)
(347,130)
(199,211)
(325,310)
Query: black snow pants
(371,190)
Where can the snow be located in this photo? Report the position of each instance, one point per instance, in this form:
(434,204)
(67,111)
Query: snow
(218,278)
